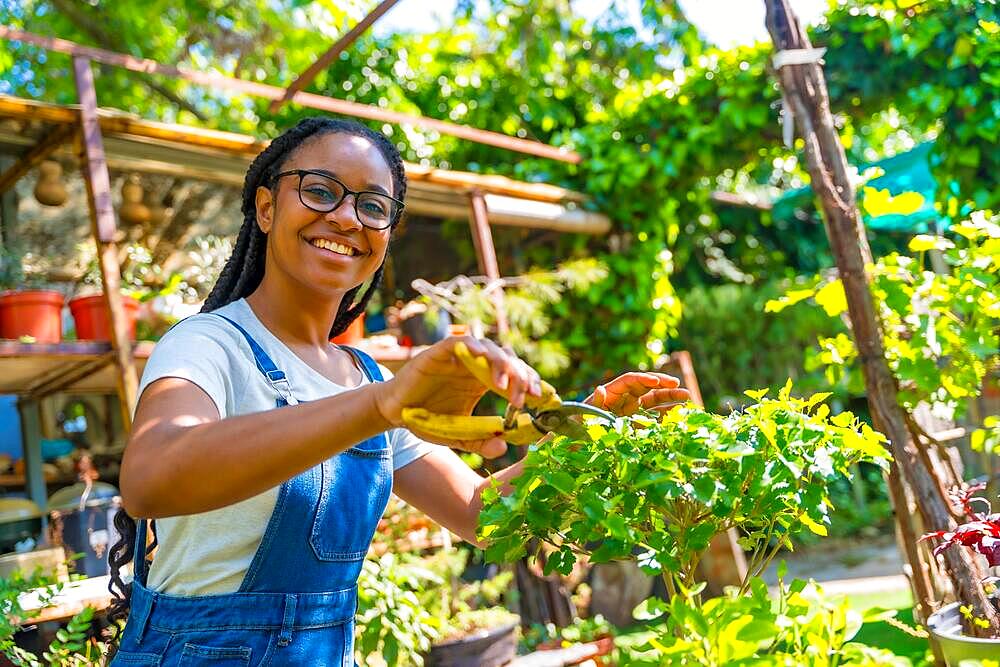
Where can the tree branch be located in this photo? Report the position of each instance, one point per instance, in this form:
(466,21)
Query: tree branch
(108,41)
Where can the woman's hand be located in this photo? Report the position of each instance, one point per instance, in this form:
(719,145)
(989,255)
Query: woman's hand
(629,392)
(439,382)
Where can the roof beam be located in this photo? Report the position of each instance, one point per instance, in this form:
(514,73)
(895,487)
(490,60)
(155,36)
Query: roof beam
(35,155)
(332,54)
(305,99)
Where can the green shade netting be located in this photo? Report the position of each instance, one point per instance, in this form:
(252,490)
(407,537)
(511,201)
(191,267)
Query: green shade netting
(906,172)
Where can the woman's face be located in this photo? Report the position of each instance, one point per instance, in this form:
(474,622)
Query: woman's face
(325,252)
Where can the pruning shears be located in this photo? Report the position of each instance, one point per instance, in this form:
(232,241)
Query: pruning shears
(541,415)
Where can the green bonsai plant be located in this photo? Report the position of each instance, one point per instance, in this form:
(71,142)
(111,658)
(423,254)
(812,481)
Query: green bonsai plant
(663,488)
(659,489)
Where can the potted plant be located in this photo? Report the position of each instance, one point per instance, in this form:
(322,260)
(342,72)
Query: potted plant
(27,310)
(950,625)
(152,297)
(474,629)
(662,488)
(413,610)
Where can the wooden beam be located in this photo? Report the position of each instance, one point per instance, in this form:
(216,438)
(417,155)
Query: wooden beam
(305,99)
(102,223)
(332,54)
(742,201)
(42,150)
(486,254)
(228,144)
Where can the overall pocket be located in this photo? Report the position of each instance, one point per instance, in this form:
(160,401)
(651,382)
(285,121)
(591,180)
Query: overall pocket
(217,656)
(355,490)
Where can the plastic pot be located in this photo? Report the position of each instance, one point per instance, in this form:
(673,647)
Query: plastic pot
(355,331)
(488,648)
(90,315)
(20,519)
(35,313)
(946,626)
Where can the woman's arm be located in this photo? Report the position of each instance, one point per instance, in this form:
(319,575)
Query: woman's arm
(183,459)
(444,488)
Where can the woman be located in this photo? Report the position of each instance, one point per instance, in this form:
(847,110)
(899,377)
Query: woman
(265,454)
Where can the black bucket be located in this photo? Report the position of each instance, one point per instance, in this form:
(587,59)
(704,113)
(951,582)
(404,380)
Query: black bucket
(85,528)
(487,648)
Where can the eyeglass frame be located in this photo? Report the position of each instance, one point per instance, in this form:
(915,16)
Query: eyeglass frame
(301,173)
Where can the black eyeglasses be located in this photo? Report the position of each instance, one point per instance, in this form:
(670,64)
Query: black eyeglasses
(323,193)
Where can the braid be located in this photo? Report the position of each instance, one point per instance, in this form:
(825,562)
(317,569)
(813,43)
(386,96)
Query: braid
(243,273)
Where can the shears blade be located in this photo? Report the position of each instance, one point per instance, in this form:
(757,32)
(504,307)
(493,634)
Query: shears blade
(560,420)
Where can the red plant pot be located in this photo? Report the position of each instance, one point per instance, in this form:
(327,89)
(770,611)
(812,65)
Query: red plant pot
(35,313)
(91,317)
(355,331)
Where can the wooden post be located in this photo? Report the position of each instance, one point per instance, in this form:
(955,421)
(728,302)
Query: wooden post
(806,97)
(102,223)
(31,447)
(486,254)
(8,210)
(724,563)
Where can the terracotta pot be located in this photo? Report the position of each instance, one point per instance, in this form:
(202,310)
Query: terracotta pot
(354,332)
(91,317)
(35,313)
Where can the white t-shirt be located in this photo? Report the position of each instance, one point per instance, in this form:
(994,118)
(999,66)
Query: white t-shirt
(209,553)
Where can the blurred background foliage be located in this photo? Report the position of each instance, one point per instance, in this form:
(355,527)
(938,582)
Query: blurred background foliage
(662,119)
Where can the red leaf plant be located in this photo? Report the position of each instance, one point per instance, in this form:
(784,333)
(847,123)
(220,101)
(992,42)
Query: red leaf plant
(982,534)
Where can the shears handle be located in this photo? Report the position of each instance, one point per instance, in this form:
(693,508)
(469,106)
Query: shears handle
(521,430)
(459,427)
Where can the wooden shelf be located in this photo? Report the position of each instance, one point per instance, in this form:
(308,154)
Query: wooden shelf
(19,480)
(71,600)
(41,369)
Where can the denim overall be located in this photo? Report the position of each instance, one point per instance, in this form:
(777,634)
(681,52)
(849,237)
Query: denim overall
(297,602)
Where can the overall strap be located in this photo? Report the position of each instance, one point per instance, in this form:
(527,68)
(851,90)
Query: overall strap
(139,564)
(276,378)
(369,365)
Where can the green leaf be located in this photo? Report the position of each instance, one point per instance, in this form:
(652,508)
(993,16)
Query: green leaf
(817,528)
(789,299)
(923,242)
(879,202)
(832,298)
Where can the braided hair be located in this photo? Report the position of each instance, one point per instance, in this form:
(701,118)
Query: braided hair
(243,274)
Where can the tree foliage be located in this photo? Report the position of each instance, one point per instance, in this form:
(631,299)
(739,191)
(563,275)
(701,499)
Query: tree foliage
(661,119)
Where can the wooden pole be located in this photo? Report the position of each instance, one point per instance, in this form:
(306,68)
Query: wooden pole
(804,88)
(102,223)
(486,254)
(332,54)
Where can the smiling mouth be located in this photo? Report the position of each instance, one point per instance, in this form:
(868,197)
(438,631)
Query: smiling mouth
(337,248)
